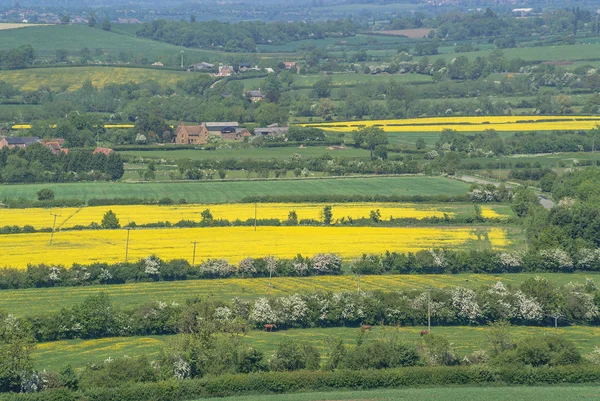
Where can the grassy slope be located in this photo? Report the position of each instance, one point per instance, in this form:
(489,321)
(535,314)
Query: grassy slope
(46,39)
(250,153)
(39,301)
(218,192)
(54,355)
(545,53)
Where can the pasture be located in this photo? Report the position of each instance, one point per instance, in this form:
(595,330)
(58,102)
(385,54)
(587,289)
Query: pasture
(236,243)
(47,39)
(577,52)
(537,393)
(56,354)
(233,191)
(279,153)
(345,79)
(40,301)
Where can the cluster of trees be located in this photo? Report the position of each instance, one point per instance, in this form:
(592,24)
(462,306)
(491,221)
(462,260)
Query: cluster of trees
(488,25)
(302,167)
(573,225)
(19,57)
(242,36)
(489,143)
(37,163)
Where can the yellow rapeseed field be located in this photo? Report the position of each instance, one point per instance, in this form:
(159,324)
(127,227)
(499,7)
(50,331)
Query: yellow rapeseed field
(470,124)
(231,243)
(144,214)
(6,26)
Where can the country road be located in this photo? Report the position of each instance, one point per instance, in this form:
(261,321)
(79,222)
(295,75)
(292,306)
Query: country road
(544,201)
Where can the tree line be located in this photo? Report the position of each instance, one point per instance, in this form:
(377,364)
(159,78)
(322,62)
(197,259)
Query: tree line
(242,36)
(37,163)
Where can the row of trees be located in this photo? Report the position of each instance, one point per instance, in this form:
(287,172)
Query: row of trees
(211,343)
(489,143)
(544,256)
(242,36)
(37,163)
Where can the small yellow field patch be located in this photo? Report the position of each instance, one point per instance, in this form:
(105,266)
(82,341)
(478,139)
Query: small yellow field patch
(7,26)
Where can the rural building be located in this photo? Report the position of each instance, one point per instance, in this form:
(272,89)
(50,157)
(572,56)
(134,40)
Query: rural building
(105,151)
(55,145)
(225,71)
(220,127)
(158,64)
(254,96)
(522,12)
(270,131)
(236,135)
(289,64)
(200,66)
(198,134)
(191,134)
(18,142)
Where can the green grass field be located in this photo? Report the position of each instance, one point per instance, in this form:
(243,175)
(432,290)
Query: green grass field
(279,153)
(544,53)
(39,301)
(345,79)
(547,393)
(47,39)
(56,354)
(232,191)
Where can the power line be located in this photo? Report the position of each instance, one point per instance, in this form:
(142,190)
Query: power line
(194,254)
(53,226)
(127,245)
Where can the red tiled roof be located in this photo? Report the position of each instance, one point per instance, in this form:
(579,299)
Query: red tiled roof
(105,151)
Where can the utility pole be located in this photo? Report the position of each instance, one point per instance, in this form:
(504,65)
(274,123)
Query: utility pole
(53,225)
(429,311)
(555,317)
(270,274)
(255,206)
(593,149)
(358,282)
(194,255)
(182,59)
(499,162)
(127,245)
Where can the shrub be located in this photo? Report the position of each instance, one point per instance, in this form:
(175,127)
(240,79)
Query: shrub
(381,354)
(291,355)
(45,194)
(110,221)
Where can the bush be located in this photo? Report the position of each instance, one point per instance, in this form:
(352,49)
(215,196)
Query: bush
(292,355)
(45,194)
(286,382)
(382,354)
(541,351)
(110,221)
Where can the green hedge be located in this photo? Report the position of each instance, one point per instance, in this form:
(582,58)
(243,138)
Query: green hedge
(286,382)
(355,198)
